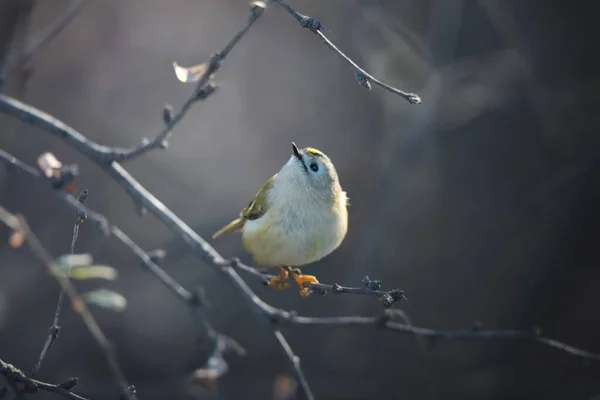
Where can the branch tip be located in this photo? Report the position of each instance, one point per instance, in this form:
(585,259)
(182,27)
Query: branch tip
(69,383)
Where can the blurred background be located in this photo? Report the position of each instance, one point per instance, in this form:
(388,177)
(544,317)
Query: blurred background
(481,203)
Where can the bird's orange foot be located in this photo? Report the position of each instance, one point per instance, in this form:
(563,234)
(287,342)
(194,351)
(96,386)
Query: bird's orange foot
(301,280)
(280,281)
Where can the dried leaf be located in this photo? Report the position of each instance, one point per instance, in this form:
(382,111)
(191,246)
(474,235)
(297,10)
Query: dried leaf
(214,368)
(284,388)
(16,239)
(189,74)
(49,164)
(106,298)
(260,4)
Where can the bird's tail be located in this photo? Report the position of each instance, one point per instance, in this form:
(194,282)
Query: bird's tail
(233,226)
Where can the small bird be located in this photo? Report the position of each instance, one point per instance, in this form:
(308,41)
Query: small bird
(298,217)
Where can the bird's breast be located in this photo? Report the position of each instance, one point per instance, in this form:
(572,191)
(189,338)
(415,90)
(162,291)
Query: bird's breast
(294,236)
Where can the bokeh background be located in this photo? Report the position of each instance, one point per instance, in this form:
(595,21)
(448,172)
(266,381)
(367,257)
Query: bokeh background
(481,203)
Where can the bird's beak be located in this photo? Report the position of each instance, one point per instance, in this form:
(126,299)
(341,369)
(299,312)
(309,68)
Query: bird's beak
(296,152)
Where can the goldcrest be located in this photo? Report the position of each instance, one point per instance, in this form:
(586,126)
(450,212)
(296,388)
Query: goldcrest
(298,217)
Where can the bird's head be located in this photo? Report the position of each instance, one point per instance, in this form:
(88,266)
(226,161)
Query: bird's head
(312,171)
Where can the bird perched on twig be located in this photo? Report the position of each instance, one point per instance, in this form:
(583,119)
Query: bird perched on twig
(298,217)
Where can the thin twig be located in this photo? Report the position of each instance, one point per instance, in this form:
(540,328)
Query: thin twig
(201,92)
(296,362)
(193,300)
(15,375)
(54,330)
(475,333)
(77,302)
(368,288)
(362,76)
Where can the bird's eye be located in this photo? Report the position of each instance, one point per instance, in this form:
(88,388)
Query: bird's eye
(314,167)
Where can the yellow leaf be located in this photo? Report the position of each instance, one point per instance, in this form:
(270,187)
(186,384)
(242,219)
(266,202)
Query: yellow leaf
(94,272)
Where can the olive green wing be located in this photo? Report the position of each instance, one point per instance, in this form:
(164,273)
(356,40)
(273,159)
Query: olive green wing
(256,209)
(258,206)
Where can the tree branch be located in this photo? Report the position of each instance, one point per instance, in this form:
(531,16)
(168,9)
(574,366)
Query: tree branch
(54,330)
(369,287)
(362,76)
(15,375)
(19,225)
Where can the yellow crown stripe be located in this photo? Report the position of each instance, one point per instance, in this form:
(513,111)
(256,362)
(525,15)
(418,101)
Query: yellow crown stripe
(314,152)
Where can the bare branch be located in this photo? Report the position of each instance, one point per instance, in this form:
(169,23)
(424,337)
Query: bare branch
(369,287)
(362,76)
(202,91)
(54,330)
(77,302)
(15,375)
(296,363)
(475,333)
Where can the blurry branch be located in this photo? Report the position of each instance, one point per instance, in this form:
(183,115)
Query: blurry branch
(21,230)
(54,330)
(386,322)
(14,18)
(40,39)
(15,376)
(362,76)
(148,259)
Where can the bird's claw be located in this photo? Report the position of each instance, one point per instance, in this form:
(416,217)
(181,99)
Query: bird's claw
(302,280)
(277,283)
(280,282)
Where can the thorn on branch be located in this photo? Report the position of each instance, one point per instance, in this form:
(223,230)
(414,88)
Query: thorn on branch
(80,216)
(362,79)
(206,91)
(371,285)
(167,114)
(157,255)
(54,331)
(69,383)
(199,299)
(129,393)
(30,387)
(140,209)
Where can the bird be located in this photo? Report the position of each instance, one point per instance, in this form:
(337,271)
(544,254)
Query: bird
(298,217)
